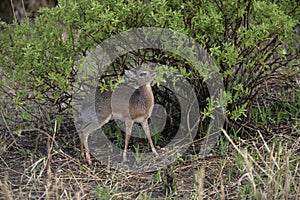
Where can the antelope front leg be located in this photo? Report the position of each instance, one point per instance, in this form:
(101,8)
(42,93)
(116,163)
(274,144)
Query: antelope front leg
(128,134)
(147,131)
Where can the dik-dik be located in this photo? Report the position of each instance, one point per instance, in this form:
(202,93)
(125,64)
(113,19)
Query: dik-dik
(135,108)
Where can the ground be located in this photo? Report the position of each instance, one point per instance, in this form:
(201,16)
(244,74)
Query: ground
(39,165)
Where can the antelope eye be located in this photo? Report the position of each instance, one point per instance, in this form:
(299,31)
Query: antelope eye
(142,74)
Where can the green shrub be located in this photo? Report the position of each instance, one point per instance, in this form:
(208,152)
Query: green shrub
(252,42)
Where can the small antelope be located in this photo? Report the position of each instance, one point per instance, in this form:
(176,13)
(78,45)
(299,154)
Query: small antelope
(134,106)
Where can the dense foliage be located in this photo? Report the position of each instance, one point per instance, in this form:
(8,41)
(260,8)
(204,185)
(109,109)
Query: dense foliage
(255,46)
(252,42)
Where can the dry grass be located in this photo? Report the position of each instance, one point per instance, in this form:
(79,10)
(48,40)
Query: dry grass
(262,163)
(269,169)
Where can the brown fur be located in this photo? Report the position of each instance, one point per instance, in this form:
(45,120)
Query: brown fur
(115,106)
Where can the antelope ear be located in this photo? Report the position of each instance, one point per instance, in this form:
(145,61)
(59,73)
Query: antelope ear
(130,74)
